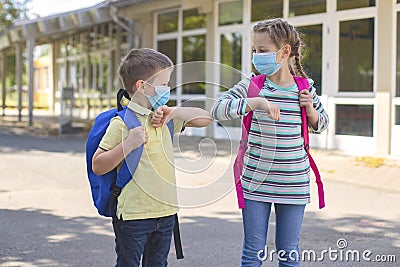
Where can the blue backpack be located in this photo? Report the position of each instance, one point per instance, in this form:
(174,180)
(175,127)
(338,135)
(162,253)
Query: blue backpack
(107,187)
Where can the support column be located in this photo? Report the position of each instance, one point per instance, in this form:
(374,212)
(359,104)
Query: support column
(211,69)
(56,75)
(131,34)
(3,80)
(110,67)
(100,82)
(81,83)
(19,70)
(117,82)
(384,83)
(87,77)
(30,44)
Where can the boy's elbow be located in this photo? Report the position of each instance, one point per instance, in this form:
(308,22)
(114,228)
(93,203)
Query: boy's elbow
(96,168)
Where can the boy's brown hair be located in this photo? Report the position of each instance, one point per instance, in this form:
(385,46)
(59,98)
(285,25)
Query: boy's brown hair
(141,64)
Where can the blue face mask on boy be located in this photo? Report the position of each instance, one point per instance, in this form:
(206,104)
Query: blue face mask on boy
(266,63)
(162,96)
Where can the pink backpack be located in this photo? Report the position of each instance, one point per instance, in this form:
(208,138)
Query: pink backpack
(255,86)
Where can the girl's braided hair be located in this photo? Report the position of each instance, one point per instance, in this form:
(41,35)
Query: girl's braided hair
(281,33)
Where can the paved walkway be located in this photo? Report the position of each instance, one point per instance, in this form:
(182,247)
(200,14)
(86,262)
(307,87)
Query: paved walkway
(47,218)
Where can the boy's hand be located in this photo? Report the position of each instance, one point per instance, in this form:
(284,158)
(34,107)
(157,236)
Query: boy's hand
(160,116)
(272,110)
(157,119)
(136,137)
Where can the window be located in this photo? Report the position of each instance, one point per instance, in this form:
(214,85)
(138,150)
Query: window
(230,13)
(36,74)
(168,47)
(193,20)
(354,120)
(261,9)
(46,78)
(397,115)
(346,4)
(168,22)
(312,53)
(194,49)
(305,7)
(356,54)
(231,55)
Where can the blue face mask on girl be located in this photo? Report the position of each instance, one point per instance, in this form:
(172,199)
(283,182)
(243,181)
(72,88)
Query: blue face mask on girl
(162,96)
(266,63)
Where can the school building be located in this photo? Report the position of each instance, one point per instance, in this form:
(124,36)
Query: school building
(352,54)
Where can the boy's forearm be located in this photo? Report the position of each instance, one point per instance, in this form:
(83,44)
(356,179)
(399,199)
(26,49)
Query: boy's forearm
(105,161)
(194,117)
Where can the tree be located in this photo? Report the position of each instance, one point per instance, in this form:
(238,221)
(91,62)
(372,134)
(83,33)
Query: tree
(12,10)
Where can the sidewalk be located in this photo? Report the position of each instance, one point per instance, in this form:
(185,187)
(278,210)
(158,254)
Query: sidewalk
(47,218)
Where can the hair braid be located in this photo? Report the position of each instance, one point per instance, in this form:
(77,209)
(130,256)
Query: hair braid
(298,66)
(291,69)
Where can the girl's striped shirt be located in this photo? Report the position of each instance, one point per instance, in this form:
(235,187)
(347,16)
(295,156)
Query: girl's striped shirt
(276,166)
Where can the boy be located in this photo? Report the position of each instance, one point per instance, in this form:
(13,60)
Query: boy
(148,203)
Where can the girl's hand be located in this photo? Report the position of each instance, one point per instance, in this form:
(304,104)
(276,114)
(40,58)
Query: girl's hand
(306,100)
(272,110)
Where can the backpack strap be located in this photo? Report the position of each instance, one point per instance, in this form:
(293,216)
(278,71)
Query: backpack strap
(170,126)
(302,83)
(132,159)
(256,83)
(177,233)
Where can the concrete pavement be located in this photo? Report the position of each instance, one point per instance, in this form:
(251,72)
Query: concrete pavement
(47,218)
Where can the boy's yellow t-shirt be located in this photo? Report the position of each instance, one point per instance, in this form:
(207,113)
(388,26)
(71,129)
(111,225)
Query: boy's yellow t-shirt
(152,191)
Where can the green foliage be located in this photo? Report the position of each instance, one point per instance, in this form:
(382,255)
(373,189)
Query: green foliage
(12,10)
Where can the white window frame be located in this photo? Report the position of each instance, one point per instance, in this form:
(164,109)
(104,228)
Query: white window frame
(395,142)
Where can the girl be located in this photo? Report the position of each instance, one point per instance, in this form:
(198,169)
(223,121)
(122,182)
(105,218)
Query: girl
(276,167)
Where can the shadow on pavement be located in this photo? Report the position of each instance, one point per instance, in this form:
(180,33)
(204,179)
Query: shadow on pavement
(11,141)
(31,237)
(212,241)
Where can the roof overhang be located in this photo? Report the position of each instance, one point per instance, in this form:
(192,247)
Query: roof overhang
(45,29)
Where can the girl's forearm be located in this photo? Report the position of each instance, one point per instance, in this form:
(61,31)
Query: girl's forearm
(313,118)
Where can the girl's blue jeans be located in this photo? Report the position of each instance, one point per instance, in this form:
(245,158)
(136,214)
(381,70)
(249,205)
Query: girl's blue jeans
(289,219)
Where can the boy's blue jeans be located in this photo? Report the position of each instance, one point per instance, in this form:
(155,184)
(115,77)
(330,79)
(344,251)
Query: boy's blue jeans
(150,238)
(289,219)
